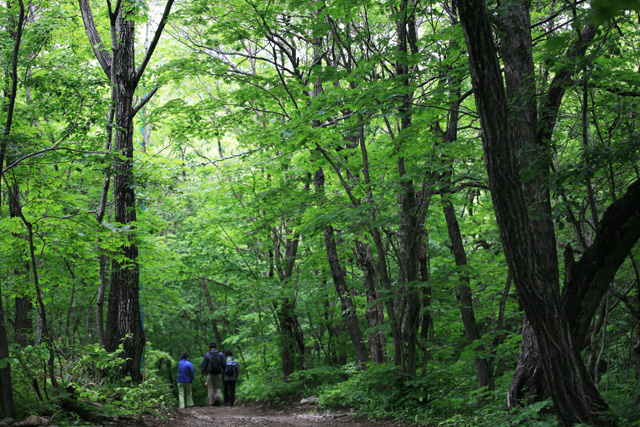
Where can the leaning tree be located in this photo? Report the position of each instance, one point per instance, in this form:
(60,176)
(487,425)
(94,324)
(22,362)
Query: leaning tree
(517,140)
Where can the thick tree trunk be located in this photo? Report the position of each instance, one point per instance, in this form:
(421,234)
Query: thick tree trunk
(574,395)
(580,295)
(586,282)
(590,277)
(124,323)
(528,384)
(348,308)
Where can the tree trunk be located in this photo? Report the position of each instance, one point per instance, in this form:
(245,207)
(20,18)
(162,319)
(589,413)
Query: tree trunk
(285,320)
(212,311)
(348,308)
(528,384)
(410,235)
(23,321)
(426,324)
(285,307)
(535,272)
(124,323)
(412,206)
(483,365)
(375,311)
(581,295)
(99,313)
(6,385)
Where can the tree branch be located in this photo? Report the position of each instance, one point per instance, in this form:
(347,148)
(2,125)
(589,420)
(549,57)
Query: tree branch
(102,55)
(551,104)
(592,274)
(154,42)
(144,101)
(46,150)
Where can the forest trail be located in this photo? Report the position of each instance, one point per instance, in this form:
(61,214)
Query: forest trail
(246,416)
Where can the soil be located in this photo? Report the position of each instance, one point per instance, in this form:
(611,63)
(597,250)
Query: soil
(249,416)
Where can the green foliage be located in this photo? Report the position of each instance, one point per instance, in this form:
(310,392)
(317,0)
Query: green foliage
(535,415)
(225,183)
(269,387)
(89,377)
(607,9)
(377,391)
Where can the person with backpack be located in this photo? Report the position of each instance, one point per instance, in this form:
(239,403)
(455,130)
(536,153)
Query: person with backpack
(213,365)
(230,376)
(185,378)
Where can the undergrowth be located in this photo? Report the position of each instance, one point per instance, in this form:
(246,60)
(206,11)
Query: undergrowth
(90,389)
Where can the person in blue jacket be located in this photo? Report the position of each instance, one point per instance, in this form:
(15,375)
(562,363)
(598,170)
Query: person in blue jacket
(185,378)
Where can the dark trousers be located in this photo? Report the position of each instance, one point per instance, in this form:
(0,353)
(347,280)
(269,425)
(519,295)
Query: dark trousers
(229,392)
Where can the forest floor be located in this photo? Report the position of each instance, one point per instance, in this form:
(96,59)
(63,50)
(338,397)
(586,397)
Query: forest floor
(246,416)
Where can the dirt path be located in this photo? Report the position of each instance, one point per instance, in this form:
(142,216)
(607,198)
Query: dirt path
(248,416)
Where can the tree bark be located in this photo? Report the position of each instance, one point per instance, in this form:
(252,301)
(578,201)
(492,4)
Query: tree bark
(574,395)
(591,276)
(586,281)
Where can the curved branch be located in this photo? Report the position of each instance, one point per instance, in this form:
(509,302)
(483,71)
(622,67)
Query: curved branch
(592,274)
(102,55)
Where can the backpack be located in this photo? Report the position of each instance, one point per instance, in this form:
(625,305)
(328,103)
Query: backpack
(230,371)
(214,363)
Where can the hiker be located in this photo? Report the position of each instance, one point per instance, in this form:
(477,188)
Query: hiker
(185,378)
(213,365)
(230,377)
